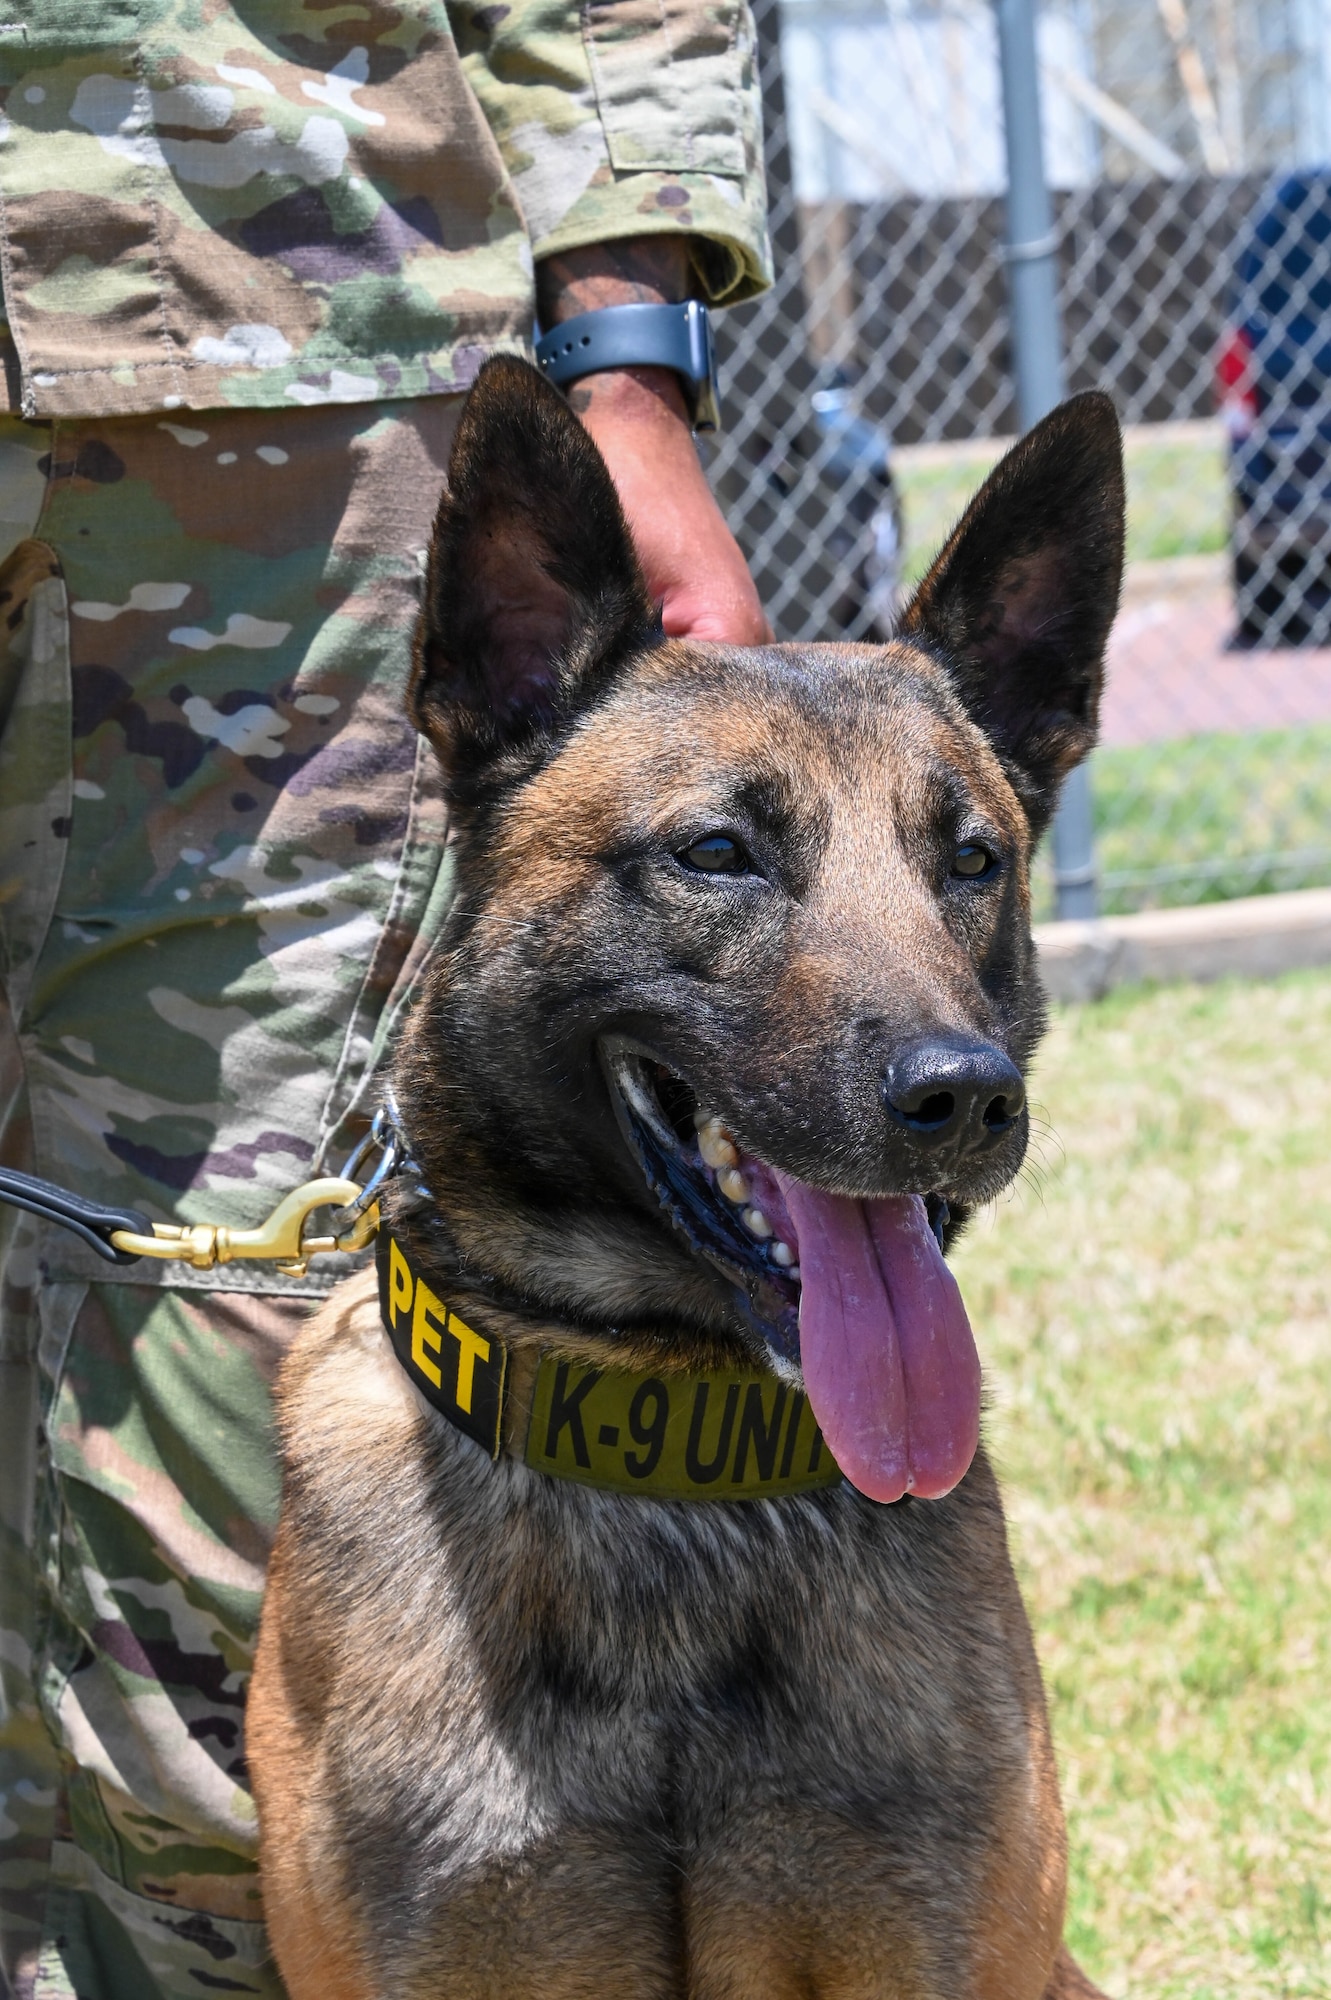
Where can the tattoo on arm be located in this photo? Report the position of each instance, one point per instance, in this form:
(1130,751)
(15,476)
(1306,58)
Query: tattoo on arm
(634,271)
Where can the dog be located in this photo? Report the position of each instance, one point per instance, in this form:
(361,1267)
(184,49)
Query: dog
(641,1621)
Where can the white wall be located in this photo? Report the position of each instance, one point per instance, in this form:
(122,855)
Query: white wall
(902,96)
(914,101)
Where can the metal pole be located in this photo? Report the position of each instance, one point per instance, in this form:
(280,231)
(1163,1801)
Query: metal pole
(1032,249)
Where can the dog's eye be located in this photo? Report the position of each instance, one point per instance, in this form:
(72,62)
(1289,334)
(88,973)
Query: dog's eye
(716,854)
(974,860)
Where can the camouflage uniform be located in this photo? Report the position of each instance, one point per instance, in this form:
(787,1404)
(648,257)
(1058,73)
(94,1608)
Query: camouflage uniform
(249,253)
(276,203)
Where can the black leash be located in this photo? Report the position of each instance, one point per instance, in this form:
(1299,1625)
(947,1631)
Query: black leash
(124,1235)
(86,1219)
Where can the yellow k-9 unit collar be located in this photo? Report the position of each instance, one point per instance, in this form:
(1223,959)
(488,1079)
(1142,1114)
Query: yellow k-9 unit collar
(721,1436)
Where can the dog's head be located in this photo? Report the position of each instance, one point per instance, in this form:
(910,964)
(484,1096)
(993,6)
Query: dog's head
(739,988)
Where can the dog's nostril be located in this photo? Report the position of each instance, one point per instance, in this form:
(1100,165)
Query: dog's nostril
(923,1110)
(1000,1112)
(935,1110)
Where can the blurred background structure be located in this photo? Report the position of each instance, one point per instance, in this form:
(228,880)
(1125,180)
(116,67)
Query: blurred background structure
(1187,144)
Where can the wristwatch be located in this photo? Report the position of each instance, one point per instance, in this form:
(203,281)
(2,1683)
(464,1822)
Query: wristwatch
(675,337)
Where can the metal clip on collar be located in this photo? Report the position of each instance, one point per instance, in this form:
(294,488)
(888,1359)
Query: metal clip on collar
(281,1238)
(122,1235)
(385,1133)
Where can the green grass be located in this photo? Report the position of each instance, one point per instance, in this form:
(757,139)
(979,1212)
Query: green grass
(1214,816)
(933,496)
(1153,1305)
(1177,496)
(1209,817)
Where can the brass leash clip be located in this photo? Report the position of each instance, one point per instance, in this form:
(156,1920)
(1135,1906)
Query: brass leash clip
(281,1239)
(120,1234)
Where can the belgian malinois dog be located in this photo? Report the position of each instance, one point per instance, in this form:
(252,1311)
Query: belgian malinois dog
(641,1624)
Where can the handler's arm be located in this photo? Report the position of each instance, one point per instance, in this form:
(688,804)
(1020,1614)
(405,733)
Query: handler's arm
(632,131)
(638,419)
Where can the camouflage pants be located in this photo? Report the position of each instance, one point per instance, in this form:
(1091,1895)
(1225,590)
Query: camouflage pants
(222,858)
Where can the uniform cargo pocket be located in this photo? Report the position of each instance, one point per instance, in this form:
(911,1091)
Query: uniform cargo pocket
(102,1942)
(669,77)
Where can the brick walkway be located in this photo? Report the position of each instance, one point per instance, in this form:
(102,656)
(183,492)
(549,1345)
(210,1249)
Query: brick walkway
(1171,673)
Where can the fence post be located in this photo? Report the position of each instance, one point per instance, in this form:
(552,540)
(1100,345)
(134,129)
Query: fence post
(1032,253)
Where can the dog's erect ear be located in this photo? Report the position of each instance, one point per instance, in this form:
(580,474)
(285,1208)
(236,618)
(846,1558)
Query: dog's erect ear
(1021,599)
(533,592)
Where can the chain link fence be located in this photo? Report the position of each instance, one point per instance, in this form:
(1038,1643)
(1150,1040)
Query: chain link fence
(1186,144)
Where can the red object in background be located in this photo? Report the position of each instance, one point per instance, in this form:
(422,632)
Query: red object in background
(1236,385)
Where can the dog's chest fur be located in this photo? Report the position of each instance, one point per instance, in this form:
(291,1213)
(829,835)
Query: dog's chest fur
(558,1671)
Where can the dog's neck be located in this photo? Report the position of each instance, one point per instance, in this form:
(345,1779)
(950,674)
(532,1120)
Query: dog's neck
(656,1431)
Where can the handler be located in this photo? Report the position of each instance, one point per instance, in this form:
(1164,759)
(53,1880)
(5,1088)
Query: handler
(251,258)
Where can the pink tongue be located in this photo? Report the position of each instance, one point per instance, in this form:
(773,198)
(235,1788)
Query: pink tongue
(889,1357)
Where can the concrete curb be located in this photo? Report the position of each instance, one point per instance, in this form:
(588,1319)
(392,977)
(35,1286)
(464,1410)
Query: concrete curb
(1254,937)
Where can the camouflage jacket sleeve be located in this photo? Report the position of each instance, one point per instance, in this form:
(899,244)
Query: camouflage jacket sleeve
(625,118)
(277,204)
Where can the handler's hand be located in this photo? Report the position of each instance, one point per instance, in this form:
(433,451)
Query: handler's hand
(638,419)
(691,560)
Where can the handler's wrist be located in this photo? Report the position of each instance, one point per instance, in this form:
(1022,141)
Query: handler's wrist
(630,396)
(673,337)
(657,353)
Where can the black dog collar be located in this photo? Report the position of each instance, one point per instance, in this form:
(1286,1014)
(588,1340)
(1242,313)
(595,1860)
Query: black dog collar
(720,1436)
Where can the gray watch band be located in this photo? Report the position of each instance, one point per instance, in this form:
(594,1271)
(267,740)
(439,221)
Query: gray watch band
(675,337)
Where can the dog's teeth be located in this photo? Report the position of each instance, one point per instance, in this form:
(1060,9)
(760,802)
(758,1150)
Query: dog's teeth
(733,1184)
(782,1254)
(716,1145)
(756,1222)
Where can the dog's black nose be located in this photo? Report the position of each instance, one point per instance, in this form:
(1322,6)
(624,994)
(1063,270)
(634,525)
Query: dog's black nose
(956,1093)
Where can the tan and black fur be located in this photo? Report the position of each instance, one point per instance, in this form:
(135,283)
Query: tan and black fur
(512,1736)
